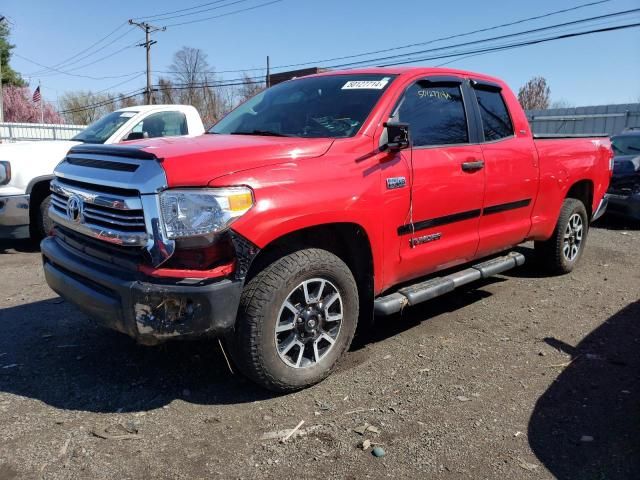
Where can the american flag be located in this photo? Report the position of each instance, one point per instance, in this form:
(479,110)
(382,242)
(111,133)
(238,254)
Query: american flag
(36,95)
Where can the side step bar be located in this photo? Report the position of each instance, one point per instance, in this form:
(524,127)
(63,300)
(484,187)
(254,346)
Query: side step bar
(434,287)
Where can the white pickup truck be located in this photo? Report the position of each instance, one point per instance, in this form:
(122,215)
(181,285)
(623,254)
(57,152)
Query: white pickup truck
(26,168)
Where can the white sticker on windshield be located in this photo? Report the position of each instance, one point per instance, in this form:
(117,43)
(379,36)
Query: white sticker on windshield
(128,114)
(366,84)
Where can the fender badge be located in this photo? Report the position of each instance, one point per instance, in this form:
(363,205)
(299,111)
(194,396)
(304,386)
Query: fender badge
(396,182)
(414,242)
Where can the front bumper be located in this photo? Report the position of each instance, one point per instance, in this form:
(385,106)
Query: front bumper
(14,216)
(627,205)
(141,307)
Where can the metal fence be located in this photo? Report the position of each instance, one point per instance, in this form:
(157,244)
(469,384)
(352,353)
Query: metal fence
(607,119)
(19,132)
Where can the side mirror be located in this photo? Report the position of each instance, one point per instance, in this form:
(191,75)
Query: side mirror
(136,136)
(397,136)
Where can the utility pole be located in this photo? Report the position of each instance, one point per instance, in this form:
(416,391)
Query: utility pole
(148,30)
(1,100)
(268,73)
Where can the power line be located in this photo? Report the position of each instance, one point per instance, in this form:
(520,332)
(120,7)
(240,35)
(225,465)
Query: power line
(131,94)
(76,74)
(500,37)
(54,70)
(163,17)
(67,63)
(80,67)
(178,11)
(224,14)
(137,75)
(464,54)
(400,47)
(520,44)
(449,37)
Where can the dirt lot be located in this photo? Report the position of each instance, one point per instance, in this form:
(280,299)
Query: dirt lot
(520,377)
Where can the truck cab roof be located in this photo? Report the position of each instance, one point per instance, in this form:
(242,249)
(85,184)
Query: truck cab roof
(410,71)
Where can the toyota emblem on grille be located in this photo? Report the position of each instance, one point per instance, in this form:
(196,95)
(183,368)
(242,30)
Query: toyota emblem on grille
(74,208)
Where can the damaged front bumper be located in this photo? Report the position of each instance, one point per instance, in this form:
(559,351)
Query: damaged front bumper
(144,308)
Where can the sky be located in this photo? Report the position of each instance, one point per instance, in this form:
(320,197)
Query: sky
(588,70)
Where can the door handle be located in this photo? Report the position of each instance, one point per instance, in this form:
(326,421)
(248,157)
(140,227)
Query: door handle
(473,166)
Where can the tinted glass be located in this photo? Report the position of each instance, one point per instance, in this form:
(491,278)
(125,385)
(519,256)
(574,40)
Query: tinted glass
(162,124)
(100,130)
(330,106)
(435,115)
(496,123)
(626,145)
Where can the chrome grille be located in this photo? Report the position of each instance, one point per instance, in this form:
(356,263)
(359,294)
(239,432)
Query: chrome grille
(118,190)
(107,215)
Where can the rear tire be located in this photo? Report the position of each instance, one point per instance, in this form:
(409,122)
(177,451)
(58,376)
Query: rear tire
(561,252)
(297,318)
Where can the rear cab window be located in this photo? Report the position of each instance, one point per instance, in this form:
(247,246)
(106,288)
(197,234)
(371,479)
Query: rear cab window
(496,122)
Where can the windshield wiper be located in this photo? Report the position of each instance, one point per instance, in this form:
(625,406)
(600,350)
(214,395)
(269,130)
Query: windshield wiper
(266,133)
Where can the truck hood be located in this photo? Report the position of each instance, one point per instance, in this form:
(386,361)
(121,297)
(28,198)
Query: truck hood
(197,161)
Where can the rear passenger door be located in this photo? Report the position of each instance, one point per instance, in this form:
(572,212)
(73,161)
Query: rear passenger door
(441,227)
(511,172)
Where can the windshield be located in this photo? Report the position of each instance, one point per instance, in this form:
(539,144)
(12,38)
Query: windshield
(330,106)
(626,145)
(100,130)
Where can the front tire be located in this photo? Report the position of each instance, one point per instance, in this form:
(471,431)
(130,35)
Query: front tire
(561,252)
(297,318)
(41,223)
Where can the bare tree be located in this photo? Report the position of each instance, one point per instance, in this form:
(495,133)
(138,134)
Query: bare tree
(562,103)
(190,76)
(194,83)
(166,93)
(84,107)
(249,87)
(127,101)
(189,68)
(535,94)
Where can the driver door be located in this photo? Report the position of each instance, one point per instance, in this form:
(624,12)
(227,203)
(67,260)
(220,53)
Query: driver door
(441,228)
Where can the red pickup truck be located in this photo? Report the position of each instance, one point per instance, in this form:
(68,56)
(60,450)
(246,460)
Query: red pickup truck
(321,201)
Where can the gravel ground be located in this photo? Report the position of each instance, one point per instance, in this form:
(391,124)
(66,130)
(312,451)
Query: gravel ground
(519,377)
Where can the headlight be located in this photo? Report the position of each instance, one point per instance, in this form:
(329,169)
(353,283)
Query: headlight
(5,172)
(190,213)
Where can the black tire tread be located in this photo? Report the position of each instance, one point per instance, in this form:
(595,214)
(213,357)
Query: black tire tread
(549,252)
(39,228)
(257,293)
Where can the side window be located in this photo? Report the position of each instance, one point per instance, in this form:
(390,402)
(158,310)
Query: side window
(496,123)
(435,114)
(162,124)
